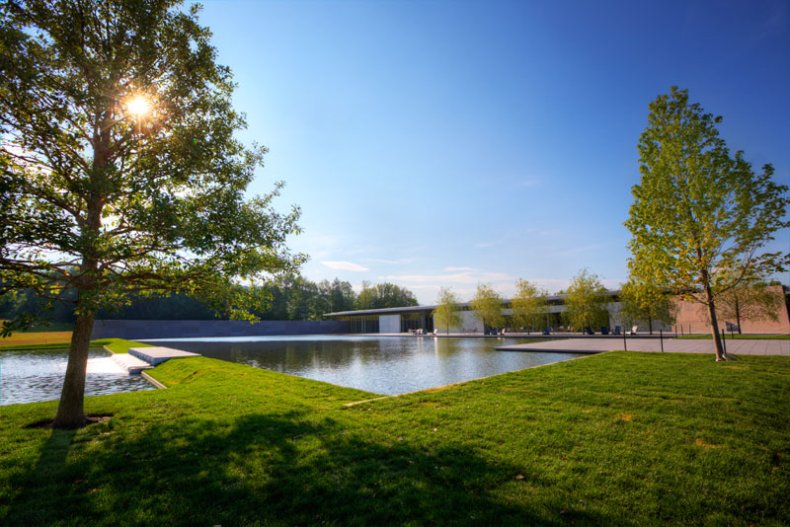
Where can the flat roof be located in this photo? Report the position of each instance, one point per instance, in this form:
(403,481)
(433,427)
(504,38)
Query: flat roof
(426,308)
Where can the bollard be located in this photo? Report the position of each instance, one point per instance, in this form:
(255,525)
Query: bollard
(661,338)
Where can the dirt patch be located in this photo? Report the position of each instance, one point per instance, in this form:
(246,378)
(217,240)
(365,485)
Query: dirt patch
(703,444)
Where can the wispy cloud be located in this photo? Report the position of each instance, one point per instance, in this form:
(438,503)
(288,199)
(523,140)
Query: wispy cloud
(395,261)
(345,266)
(462,280)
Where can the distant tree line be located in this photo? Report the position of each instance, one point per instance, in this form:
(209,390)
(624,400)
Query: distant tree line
(287,297)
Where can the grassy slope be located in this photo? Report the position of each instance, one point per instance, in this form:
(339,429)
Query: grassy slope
(112,344)
(628,439)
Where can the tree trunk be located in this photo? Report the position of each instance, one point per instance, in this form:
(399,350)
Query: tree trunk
(650,324)
(70,410)
(738,314)
(71,413)
(714,324)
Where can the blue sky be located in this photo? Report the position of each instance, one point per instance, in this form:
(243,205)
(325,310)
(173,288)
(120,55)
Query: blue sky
(448,143)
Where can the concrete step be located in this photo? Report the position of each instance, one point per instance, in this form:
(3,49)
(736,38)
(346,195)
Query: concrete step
(158,354)
(130,363)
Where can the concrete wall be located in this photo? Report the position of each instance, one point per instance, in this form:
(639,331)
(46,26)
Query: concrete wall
(469,324)
(389,323)
(153,329)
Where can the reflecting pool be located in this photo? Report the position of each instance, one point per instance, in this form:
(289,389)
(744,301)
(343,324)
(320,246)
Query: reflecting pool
(386,365)
(30,376)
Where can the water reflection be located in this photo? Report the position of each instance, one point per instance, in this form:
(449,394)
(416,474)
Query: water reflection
(31,376)
(387,365)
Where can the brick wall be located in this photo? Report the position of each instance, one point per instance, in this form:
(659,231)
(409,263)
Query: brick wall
(694,315)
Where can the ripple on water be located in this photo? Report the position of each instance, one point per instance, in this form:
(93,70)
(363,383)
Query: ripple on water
(30,376)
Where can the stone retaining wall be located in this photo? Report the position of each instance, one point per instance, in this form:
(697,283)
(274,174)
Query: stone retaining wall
(160,329)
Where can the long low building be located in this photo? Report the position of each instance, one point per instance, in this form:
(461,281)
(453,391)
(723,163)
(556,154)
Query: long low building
(690,318)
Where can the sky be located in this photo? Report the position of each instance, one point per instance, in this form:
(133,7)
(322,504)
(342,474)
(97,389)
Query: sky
(448,143)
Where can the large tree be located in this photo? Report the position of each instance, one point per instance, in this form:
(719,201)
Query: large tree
(447,312)
(530,305)
(701,217)
(384,295)
(644,301)
(585,302)
(119,167)
(487,305)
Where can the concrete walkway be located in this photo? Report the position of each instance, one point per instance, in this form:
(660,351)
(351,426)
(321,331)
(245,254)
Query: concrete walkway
(597,345)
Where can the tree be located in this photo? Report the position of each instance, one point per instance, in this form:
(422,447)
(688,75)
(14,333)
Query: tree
(586,302)
(119,167)
(487,305)
(340,294)
(529,305)
(384,295)
(701,217)
(750,300)
(644,301)
(446,314)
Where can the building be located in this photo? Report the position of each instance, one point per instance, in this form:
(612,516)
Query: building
(690,318)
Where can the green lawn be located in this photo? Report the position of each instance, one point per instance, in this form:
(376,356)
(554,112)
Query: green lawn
(743,337)
(613,439)
(114,345)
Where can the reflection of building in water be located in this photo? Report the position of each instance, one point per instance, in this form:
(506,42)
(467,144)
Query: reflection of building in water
(690,317)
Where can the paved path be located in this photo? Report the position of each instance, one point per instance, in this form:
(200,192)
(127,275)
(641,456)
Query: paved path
(597,345)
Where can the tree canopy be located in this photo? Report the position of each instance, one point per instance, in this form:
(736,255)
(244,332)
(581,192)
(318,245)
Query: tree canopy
(586,302)
(446,314)
(643,301)
(487,305)
(384,295)
(529,305)
(119,166)
(701,216)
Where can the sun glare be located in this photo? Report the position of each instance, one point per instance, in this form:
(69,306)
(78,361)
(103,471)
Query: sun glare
(138,106)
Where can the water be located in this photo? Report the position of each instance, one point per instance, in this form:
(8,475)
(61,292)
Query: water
(30,376)
(386,365)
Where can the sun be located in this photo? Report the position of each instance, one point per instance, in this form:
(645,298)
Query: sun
(138,106)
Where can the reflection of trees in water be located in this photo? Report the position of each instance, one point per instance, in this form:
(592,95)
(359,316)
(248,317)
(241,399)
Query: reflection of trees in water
(444,347)
(381,365)
(299,355)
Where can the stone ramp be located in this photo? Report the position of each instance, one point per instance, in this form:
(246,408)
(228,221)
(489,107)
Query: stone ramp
(671,345)
(139,359)
(158,354)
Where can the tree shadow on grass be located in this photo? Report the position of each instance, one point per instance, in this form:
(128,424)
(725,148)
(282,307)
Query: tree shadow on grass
(282,469)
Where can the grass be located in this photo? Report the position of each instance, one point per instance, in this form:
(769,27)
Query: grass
(758,336)
(41,342)
(613,439)
(42,339)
